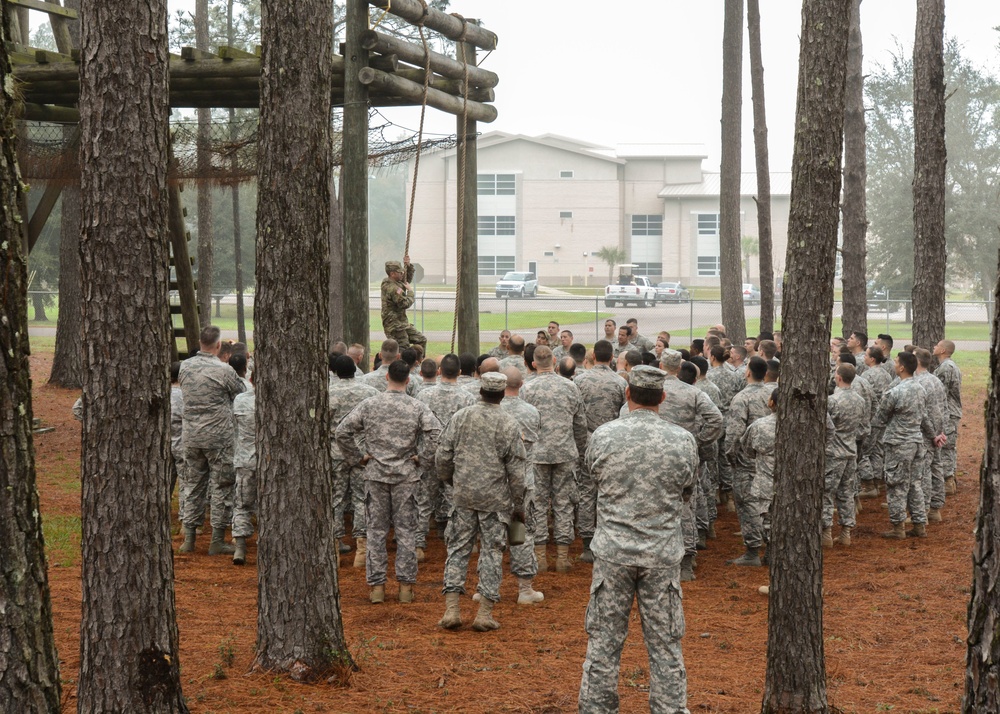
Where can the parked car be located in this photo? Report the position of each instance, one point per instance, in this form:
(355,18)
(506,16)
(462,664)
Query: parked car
(751,294)
(516,284)
(672,292)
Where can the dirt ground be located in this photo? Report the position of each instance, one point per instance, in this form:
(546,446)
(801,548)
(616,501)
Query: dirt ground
(895,619)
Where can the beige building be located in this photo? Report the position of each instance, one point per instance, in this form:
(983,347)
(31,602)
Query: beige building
(547,204)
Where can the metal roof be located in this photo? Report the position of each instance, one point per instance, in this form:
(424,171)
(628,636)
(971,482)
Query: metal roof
(781,185)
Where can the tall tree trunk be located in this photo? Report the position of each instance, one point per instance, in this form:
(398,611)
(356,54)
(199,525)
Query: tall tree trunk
(38,307)
(982,665)
(299,629)
(730,274)
(206,252)
(930,157)
(128,632)
(29,665)
(796,671)
(855,230)
(241,320)
(764,242)
(337,262)
(67,361)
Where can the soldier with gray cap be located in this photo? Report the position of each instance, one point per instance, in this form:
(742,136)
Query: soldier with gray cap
(480,453)
(397,296)
(645,468)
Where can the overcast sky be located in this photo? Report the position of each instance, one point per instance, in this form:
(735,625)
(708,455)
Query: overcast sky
(650,71)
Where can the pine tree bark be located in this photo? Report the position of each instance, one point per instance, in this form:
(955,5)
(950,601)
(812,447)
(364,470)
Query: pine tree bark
(128,633)
(855,228)
(29,665)
(67,360)
(206,250)
(930,255)
(764,242)
(982,667)
(730,272)
(796,671)
(299,629)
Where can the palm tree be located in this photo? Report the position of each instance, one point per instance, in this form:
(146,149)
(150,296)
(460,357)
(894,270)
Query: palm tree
(612,255)
(750,247)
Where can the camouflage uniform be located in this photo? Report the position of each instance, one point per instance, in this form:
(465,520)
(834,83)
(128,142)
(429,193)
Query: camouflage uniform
(747,406)
(345,395)
(499,352)
(708,479)
(603,393)
(176,440)
(729,383)
(644,467)
(395,300)
(481,453)
(758,443)
(400,433)
(641,343)
(951,377)
(931,466)
(245,464)
(558,352)
(619,348)
(516,361)
(903,415)
(523,563)
(870,462)
(434,497)
(562,441)
(209,387)
(849,413)
(378,380)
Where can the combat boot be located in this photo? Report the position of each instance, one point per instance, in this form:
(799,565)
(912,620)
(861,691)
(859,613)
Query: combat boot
(359,554)
(687,569)
(828,537)
(702,539)
(189,535)
(919,531)
(421,554)
(542,558)
(563,564)
(750,558)
(950,486)
(240,554)
(898,532)
(730,502)
(405,593)
(342,547)
(857,504)
(934,515)
(452,614)
(869,489)
(377,594)
(587,556)
(218,546)
(484,621)
(845,536)
(711,530)
(526,595)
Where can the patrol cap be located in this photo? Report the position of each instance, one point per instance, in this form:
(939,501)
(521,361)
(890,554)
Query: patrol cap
(393,265)
(671,359)
(493,382)
(645,377)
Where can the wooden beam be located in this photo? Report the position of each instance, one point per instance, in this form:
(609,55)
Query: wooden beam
(451,26)
(233,53)
(61,33)
(31,111)
(414,54)
(42,212)
(49,57)
(182,268)
(43,6)
(191,54)
(392,85)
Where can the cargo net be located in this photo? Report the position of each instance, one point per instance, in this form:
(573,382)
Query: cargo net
(49,152)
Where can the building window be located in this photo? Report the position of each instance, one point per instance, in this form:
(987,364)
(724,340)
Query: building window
(565,214)
(650,270)
(708,245)
(496,184)
(708,224)
(643,225)
(566,174)
(495,264)
(497,226)
(549,253)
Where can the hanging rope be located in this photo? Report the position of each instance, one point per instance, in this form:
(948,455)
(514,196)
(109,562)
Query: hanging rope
(463,147)
(420,129)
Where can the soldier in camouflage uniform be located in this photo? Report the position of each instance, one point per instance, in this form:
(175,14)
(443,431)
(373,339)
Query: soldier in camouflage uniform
(644,468)
(870,461)
(444,399)
(389,354)
(562,349)
(730,383)
(639,342)
(624,343)
(481,454)
(245,464)
(400,433)
(603,394)
(346,392)
(931,467)
(708,472)
(209,387)
(758,443)
(851,421)
(951,377)
(903,415)
(502,350)
(516,356)
(397,296)
(562,442)
(176,432)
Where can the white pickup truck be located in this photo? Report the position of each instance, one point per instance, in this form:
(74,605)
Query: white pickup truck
(630,289)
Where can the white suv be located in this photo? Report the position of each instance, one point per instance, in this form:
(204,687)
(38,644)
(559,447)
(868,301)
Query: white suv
(517,285)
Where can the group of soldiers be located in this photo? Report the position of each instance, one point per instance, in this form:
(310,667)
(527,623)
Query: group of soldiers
(631,445)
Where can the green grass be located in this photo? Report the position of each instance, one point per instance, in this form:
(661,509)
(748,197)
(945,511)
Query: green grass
(901,331)
(62,540)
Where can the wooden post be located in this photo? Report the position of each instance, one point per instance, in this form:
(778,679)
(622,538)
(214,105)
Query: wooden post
(53,189)
(184,276)
(355,197)
(467,304)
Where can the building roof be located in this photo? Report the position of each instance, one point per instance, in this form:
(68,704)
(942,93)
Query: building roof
(781,185)
(552,141)
(657,151)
